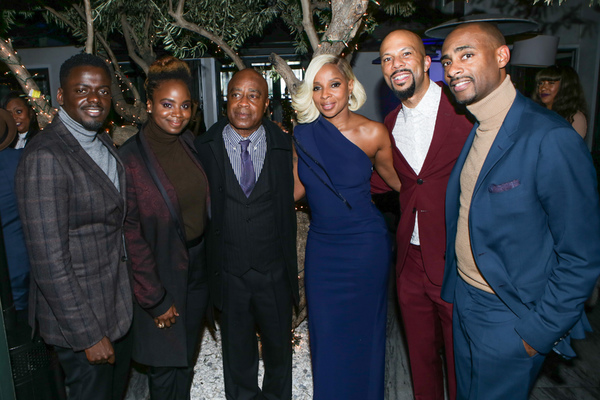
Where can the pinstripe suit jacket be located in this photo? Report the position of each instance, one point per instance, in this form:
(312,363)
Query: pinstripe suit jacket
(72,219)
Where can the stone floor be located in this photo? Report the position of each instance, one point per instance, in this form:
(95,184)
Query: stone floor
(560,379)
(576,379)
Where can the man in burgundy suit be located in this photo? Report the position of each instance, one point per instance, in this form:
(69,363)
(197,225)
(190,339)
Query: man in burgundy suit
(429,134)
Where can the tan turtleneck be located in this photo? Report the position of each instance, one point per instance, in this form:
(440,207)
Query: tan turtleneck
(490,113)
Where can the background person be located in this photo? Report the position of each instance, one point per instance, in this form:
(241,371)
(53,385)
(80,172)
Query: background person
(348,250)
(24,116)
(16,252)
(167,200)
(559,89)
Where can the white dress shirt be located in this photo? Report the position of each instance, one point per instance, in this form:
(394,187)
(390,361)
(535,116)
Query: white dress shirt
(413,133)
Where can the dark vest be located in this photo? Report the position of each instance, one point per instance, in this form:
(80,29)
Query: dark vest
(251,240)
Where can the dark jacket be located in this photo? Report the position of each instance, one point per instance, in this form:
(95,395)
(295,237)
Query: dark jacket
(72,218)
(212,153)
(534,225)
(158,256)
(426,192)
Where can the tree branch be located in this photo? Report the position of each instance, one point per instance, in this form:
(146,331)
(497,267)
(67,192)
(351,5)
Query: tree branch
(147,41)
(181,22)
(132,46)
(283,69)
(135,112)
(61,17)
(346,19)
(89,43)
(41,106)
(308,24)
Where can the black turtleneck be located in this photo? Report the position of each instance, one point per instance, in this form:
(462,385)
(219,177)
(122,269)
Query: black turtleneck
(185,176)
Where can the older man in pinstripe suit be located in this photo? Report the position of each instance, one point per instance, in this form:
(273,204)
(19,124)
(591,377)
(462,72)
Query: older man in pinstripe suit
(70,187)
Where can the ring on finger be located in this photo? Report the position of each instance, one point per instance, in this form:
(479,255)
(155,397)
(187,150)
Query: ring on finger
(161,325)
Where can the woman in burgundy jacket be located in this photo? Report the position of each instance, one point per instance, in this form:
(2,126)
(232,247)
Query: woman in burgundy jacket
(167,198)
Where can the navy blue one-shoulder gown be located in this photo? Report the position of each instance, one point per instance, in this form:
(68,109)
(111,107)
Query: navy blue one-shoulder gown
(348,257)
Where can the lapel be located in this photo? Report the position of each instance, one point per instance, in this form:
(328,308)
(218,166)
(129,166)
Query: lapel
(504,140)
(275,146)
(440,132)
(187,139)
(214,140)
(89,166)
(453,188)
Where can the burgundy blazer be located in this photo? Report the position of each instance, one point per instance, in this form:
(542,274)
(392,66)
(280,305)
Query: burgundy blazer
(426,191)
(158,257)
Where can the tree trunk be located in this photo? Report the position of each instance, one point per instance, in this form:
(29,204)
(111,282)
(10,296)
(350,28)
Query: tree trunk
(39,103)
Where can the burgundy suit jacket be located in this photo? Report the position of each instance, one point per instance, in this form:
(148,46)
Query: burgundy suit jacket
(158,256)
(426,191)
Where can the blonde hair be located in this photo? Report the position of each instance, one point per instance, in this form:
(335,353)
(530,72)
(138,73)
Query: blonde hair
(303,102)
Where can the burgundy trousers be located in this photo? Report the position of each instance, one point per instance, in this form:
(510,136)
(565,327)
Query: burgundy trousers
(428,327)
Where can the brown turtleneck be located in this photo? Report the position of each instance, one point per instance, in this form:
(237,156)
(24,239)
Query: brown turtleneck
(490,113)
(185,176)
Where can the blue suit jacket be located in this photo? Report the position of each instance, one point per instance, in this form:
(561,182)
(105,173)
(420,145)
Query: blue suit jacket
(16,252)
(534,224)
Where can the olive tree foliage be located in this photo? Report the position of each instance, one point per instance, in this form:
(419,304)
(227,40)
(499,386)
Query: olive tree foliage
(194,27)
(94,23)
(318,27)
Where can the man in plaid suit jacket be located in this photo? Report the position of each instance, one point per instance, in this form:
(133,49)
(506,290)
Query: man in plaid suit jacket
(70,186)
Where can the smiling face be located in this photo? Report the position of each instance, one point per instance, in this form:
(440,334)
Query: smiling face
(247,100)
(21,113)
(547,91)
(331,91)
(404,64)
(171,106)
(473,59)
(85,96)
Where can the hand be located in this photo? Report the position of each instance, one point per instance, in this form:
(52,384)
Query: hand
(167,319)
(101,353)
(530,350)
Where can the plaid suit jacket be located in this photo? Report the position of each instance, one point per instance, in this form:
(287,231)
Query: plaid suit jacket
(73,223)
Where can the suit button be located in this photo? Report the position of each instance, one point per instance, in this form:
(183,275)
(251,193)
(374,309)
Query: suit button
(123,258)
(217,231)
(248,220)
(220,188)
(419,181)
(414,210)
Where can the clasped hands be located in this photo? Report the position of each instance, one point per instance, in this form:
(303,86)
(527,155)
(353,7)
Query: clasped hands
(167,319)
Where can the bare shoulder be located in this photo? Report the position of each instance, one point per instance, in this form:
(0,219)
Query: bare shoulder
(369,128)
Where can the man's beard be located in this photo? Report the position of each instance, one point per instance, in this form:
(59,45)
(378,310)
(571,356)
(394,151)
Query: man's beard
(406,93)
(92,125)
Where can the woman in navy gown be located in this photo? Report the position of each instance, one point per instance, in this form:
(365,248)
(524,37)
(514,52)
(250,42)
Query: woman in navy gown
(348,252)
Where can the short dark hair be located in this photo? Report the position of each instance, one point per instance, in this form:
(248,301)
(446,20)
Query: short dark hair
(164,69)
(78,60)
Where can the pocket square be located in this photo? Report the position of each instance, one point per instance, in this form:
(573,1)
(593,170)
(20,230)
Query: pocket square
(503,187)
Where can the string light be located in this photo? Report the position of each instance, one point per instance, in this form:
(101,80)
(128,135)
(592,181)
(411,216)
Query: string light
(39,103)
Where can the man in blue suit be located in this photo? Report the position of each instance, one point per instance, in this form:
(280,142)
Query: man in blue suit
(523,226)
